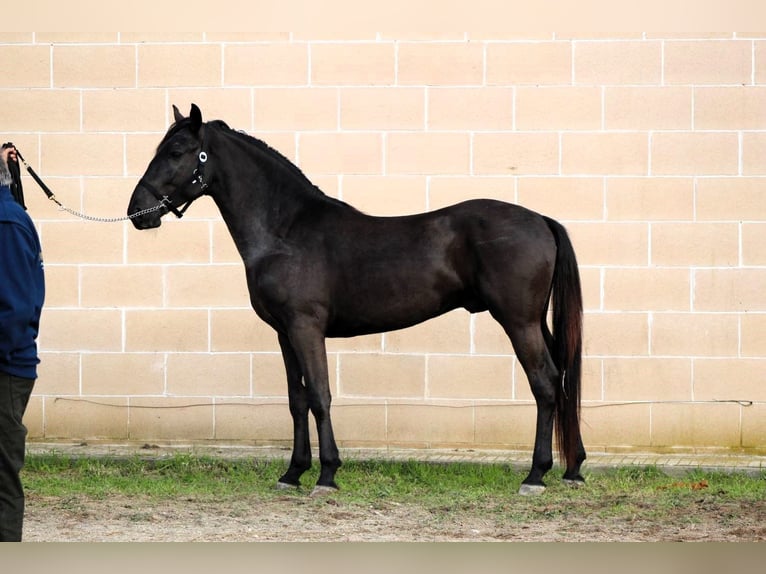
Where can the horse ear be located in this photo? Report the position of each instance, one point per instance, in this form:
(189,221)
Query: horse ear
(176,114)
(196,117)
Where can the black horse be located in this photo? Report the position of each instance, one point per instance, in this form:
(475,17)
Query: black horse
(316,268)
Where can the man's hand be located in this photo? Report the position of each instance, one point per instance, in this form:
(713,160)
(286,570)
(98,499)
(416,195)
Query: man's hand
(8,151)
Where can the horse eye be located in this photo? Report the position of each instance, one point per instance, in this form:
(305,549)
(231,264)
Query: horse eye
(175,153)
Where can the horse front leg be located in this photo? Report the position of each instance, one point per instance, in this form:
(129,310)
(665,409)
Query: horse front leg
(309,344)
(300,461)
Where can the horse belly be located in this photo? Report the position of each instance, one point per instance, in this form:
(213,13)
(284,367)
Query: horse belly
(395,300)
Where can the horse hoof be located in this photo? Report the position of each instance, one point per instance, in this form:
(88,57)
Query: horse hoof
(531,489)
(574,483)
(320,490)
(286,486)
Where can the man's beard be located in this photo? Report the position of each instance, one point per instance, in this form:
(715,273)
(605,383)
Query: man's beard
(5,175)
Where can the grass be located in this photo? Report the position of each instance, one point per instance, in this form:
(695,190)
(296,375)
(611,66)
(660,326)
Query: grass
(625,493)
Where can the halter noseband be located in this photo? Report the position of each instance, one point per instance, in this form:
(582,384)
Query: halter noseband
(198,178)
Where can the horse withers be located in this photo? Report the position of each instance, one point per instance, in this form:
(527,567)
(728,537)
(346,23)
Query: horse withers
(316,267)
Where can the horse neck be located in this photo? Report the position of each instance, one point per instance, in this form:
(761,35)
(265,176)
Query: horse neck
(259,196)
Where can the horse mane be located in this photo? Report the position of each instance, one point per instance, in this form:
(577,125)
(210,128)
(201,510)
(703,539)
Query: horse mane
(278,159)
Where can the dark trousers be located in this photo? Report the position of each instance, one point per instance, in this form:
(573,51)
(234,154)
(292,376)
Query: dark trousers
(14,396)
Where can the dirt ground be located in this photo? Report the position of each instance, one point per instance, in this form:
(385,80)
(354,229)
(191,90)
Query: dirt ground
(293,519)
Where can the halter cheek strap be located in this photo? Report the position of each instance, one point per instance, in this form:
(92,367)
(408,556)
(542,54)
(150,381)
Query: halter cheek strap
(199,178)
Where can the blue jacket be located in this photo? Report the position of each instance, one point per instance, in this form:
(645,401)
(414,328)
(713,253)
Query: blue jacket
(22,289)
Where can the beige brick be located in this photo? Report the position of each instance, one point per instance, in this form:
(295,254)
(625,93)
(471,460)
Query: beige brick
(753,335)
(80,330)
(708,62)
(240,330)
(94,66)
(617,62)
(440,64)
(427,153)
(516,154)
(695,244)
(554,108)
(208,374)
(465,377)
(105,245)
(489,338)
(62,285)
(34,419)
(164,418)
(444,191)
(357,63)
(449,333)
(470,108)
(266,64)
(647,108)
(123,110)
(121,286)
(341,153)
(543,63)
(753,152)
(610,243)
(253,420)
(269,376)
(207,286)
(691,425)
(654,199)
(754,426)
(174,242)
(58,374)
(731,199)
(39,110)
(647,289)
(139,151)
(359,425)
(753,240)
(592,380)
(613,426)
(741,107)
(382,109)
(296,109)
(223,248)
(25,67)
(377,374)
(646,379)
(590,278)
(431,425)
(76,37)
(694,334)
(166,330)
(123,374)
(364,343)
(169,65)
(163,36)
(759,66)
(563,198)
(729,379)
(506,425)
(729,290)
(230,104)
(604,153)
(106,418)
(607,334)
(82,155)
(392,195)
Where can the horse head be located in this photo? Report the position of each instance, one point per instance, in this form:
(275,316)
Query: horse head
(175,176)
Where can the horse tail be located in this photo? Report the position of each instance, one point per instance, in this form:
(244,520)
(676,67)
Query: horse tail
(566,343)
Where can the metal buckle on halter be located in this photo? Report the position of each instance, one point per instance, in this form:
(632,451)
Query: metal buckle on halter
(199,172)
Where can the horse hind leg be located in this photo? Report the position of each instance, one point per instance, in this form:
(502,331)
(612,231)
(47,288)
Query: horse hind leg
(533,354)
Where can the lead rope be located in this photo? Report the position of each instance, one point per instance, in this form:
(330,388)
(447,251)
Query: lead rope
(163,202)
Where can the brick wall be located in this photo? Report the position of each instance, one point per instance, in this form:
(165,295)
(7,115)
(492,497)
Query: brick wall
(650,149)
